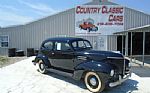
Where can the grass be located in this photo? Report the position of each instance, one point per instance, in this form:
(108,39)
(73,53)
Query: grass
(3,60)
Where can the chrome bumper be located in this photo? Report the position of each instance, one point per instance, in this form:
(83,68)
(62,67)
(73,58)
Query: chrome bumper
(120,81)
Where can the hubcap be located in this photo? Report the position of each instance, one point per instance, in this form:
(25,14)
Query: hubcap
(42,66)
(93,81)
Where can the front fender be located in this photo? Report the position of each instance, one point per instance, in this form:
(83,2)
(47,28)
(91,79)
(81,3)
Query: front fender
(42,57)
(92,66)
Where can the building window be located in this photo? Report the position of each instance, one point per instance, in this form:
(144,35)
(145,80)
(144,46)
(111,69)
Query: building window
(4,41)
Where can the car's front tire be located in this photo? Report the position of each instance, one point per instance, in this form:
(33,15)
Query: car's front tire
(94,82)
(89,29)
(41,67)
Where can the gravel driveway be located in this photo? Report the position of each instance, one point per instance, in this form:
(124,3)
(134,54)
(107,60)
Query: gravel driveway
(22,77)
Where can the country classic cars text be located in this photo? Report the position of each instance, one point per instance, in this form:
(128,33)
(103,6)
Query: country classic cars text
(102,9)
(115,12)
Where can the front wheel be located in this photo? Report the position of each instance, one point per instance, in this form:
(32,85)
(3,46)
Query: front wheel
(94,82)
(89,29)
(41,67)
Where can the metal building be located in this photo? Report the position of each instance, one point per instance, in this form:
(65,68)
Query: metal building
(31,35)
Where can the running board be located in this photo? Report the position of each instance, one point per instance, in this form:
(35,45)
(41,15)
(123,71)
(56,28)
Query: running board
(60,72)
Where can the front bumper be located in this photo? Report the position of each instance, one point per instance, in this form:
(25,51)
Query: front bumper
(120,81)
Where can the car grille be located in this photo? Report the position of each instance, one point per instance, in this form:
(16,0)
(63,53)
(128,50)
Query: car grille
(121,66)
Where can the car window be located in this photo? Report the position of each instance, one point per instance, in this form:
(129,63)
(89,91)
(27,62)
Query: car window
(87,44)
(81,44)
(62,46)
(49,45)
(74,44)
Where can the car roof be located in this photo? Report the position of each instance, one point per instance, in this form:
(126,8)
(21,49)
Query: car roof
(64,39)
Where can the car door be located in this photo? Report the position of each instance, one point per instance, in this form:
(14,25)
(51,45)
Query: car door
(63,56)
(48,49)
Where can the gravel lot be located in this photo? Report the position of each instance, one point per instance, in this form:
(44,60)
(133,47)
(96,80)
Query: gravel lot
(22,77)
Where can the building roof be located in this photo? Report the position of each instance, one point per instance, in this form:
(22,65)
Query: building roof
(137,29)
(100,2)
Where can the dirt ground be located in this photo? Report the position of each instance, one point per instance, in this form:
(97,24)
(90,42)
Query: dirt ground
(5,61)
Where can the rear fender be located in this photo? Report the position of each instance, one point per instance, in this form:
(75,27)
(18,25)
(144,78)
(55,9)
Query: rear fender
(94,66)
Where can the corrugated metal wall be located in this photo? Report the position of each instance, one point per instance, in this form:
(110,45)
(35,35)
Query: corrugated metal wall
(111,43)
(134,18)
(51,26)
(16,37)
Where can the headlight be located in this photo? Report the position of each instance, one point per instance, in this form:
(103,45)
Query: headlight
(112,72)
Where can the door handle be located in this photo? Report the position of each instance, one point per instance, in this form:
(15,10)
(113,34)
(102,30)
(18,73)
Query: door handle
(53,53)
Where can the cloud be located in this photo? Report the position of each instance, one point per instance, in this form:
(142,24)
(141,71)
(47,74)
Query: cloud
(39,8)
(10,8)
(12,15)
(10,18)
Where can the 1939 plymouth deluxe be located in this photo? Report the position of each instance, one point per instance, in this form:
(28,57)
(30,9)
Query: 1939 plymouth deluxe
(75,56)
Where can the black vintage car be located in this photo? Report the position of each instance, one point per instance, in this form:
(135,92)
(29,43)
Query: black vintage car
(75,56)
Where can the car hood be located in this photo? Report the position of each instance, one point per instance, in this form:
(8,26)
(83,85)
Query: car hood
(94,54)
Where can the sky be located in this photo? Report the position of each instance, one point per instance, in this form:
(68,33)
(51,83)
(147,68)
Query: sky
(18,12)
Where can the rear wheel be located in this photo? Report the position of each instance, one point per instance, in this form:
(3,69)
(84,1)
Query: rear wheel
(94,82)
(41,67)
(96,29)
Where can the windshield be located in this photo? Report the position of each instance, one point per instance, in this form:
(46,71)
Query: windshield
(81,45)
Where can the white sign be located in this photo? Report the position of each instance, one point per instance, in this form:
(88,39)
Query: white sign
(99,19)
(58,46)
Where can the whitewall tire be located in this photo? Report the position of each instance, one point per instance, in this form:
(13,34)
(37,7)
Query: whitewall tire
(94,82)
(41,67)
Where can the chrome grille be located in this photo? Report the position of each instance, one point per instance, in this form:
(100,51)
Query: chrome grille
(119,64)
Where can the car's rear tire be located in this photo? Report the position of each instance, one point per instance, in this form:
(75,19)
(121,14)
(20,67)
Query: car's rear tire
(96,29)
(41,67)
(94,82)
